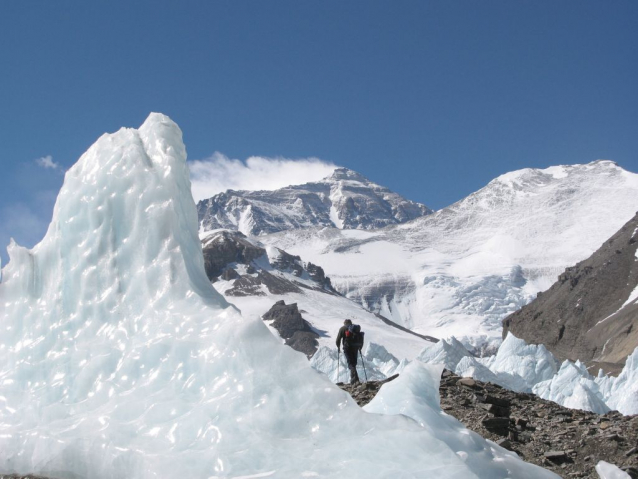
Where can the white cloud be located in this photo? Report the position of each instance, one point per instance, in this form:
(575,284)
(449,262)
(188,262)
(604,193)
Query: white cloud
(220,173)
(47,162)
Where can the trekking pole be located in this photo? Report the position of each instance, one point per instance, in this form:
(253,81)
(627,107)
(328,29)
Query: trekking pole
(338,353)
(364,366)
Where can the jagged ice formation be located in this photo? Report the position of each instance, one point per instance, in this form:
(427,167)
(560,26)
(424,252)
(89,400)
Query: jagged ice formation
(119,359)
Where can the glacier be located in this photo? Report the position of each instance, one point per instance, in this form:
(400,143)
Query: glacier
(461,270)
(119,359)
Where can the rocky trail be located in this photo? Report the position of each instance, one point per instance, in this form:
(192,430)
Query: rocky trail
(566,441)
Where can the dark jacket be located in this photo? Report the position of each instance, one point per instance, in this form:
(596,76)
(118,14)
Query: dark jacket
(341,336)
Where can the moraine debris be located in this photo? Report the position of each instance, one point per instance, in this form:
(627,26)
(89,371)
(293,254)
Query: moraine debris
(568,442)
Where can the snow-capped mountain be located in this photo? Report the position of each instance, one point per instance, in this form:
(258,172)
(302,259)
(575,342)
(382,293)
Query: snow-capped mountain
(591,312)
(119,359)
(463,269)
(254,278)
(344,200)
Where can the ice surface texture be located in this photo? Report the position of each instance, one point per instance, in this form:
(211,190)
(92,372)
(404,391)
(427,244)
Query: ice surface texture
(119,360)
(532,368)
(609,471)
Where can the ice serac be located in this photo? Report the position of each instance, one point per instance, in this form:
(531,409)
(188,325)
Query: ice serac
(415,394)
(532,368)
(448,352)
(119,359)
(573,387)
(345,200)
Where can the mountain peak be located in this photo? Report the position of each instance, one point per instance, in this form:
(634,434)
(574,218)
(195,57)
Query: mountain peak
(533,175)
(345,199)
(340,174)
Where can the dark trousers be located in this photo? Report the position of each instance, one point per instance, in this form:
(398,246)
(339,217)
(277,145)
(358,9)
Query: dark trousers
(351,358)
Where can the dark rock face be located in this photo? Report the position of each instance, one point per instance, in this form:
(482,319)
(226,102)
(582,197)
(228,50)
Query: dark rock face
(288,262)
(297,332)
(318,275)
(224,248)
(251,286)
(224,251)
(581,315)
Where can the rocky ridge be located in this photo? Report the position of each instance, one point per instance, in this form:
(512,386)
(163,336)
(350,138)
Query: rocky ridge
(296,331)
(569,442)
(588,313)
(345,200)
(231,256)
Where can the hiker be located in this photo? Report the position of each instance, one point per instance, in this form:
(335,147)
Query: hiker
(352,343)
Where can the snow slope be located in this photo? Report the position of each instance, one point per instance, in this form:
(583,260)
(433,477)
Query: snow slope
(461,270)
(119,359)
(263,276)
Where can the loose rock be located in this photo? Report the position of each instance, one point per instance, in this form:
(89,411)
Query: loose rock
(566,441)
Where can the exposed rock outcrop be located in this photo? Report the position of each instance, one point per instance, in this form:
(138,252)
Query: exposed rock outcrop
(226,247)
(589,314)
(231,256)
(291,326)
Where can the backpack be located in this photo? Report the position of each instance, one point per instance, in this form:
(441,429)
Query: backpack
(354,336)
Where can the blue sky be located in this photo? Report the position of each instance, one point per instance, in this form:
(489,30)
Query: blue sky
(432,99)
